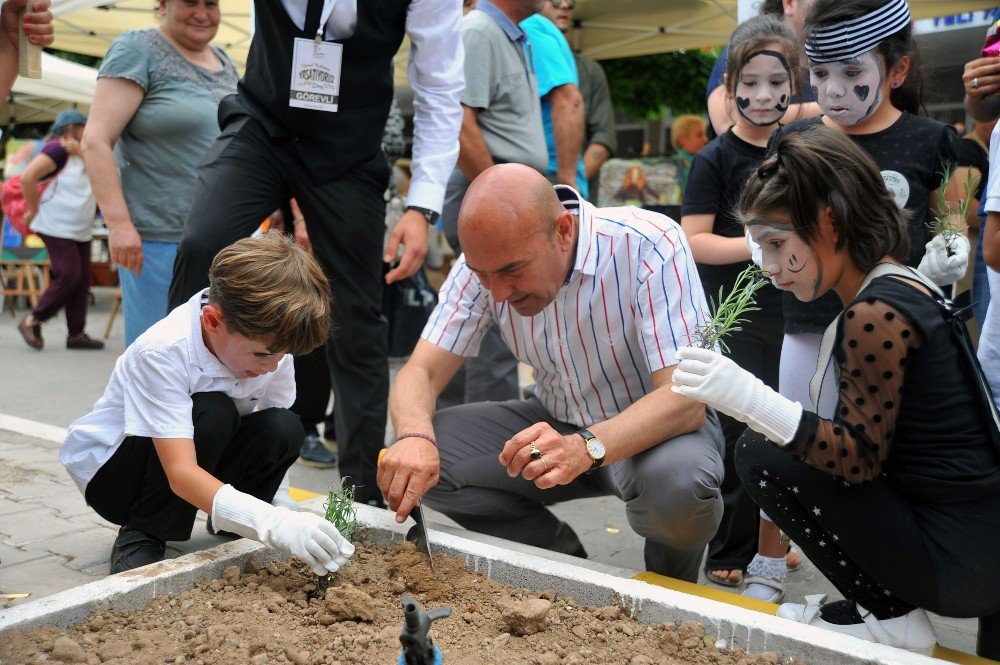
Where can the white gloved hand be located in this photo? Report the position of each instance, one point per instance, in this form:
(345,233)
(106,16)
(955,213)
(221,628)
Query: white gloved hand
(941,268)
(755,254)
(305,535)
(711,378)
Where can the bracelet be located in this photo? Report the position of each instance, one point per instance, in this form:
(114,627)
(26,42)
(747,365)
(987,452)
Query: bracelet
(415,435)
(298,220)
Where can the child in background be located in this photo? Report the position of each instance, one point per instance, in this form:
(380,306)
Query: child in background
(196,414)
(895,496)
(763,58)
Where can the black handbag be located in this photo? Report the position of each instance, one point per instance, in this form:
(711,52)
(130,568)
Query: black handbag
(407,304)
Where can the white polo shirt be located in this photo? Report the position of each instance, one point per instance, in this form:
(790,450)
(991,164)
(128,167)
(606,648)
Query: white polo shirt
(632,298)
(150,390)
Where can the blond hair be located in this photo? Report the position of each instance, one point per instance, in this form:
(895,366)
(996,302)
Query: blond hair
(269,289)
(684,125)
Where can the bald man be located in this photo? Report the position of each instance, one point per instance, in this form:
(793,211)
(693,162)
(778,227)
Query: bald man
(597,301)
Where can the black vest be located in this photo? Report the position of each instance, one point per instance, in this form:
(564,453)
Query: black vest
(330,144)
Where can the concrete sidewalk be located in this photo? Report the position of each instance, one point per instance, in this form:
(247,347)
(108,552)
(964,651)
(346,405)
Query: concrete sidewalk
(51,541)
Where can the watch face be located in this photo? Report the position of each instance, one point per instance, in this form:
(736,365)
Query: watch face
(595,448)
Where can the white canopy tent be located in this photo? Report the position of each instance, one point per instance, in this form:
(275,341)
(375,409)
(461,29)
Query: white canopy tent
(63,85)
(604,28)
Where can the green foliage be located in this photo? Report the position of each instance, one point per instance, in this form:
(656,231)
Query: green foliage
(79,58)
(646,86)
(727,312)
(339,512)
(949,218)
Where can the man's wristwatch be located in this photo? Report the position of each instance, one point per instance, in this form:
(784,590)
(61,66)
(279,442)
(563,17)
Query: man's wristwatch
(429,215)
(594,448)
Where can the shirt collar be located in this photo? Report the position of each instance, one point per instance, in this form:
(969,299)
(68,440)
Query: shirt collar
(201,357)
(586,260)
(514,32)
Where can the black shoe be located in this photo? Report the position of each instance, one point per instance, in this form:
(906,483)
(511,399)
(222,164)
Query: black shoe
(134,548)
(314,453)
(567,542)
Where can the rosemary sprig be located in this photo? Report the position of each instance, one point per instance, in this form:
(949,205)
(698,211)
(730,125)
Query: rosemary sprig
(339,512)
(949,218)
(727,312)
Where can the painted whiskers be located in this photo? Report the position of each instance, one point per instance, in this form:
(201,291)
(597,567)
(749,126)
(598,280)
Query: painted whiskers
(728,311)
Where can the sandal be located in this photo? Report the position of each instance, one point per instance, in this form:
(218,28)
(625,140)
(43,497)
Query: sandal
(777,585)
(793,559)
(724,581)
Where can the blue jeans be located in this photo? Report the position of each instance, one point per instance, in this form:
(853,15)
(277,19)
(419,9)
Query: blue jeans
(144,296)
(980,282)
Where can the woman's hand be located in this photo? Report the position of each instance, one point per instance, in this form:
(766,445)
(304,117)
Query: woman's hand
(37,23)
(29,215)
(125,245)
(71,145)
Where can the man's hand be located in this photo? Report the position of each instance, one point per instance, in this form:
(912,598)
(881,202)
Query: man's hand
(411,233)
(985,72)
(563,458)
(37,23)
(125,246)
(406,471)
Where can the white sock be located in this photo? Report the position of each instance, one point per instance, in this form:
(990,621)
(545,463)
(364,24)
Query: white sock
(770,569)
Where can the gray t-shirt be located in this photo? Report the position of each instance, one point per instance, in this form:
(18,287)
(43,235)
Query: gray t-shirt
(173,128)
(499,87)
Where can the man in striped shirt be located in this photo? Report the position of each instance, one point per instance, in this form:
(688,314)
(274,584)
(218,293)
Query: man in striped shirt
(597,301)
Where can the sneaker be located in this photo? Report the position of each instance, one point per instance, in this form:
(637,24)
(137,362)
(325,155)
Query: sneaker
(567,542)
(912,631)
(32,334)
(83,341)
(314,453)
(134,548)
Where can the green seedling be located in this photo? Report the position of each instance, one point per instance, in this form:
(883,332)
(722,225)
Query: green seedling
(949,218)
(339,512)
(728,311)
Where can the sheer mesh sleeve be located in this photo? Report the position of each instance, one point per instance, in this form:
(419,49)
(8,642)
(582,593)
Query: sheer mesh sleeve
(875,343)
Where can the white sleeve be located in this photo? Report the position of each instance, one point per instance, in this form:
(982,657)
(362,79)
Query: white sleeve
(437,76)
(992,194)
(157,398)
(280,390)
(463,313)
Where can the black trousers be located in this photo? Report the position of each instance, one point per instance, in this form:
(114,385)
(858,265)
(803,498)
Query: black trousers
(251,453)
(244,177)
(880,549)
(312,389)
(757,349)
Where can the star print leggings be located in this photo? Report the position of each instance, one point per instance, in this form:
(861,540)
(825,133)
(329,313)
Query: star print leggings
(881,550)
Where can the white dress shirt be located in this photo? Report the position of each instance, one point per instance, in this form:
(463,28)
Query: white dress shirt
(632,299)
(150,390)
(436,74)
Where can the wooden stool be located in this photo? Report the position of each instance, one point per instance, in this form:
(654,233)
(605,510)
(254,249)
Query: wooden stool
(29,278)
(115,306)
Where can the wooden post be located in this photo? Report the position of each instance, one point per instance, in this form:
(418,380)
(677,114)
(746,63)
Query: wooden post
(29,55)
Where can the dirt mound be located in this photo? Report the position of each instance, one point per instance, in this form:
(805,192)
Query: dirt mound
(263,615)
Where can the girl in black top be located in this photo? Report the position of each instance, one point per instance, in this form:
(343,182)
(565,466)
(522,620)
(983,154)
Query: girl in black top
(896,497)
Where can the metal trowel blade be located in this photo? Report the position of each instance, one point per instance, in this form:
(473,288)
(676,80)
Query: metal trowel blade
(418,533)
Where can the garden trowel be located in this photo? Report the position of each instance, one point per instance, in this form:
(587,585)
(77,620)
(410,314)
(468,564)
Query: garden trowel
(417,532)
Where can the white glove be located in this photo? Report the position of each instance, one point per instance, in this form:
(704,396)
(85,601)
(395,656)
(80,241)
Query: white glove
(711,378)
(940,268)
(755,254)
(305,535)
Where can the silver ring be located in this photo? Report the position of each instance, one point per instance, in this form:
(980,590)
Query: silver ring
(975,83)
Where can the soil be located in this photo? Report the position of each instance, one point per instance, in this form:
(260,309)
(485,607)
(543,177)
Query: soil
(262,615)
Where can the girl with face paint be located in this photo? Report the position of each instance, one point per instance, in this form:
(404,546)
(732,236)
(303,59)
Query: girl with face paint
(895,494)
(763,56)
(862,64)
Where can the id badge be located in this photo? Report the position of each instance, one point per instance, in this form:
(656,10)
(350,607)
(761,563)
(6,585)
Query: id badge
(316,75)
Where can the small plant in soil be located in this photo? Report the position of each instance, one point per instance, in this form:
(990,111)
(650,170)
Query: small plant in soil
(727,312)
(949,218)
(339,512)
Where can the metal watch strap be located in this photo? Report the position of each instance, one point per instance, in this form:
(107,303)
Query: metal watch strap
(587,436)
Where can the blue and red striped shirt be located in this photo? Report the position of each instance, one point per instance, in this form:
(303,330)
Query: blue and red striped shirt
(632,298)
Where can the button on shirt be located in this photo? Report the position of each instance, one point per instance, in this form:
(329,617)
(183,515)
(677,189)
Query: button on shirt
(150,390)
(632,299)
(435,72)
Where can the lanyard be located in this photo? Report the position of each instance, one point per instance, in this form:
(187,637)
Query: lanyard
(323,18)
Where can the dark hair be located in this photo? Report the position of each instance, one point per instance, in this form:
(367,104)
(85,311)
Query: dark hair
(773,7)
(821,167)
(909,96)
(753,35)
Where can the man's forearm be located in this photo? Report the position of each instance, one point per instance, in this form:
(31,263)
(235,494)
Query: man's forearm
(657,417)
(567,129)
(594,157)
(983,109)
(412,402)
(473,155)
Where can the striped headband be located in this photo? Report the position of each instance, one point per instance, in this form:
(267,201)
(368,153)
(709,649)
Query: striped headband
(850,39)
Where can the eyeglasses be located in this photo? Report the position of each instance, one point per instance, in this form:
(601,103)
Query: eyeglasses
(568,4)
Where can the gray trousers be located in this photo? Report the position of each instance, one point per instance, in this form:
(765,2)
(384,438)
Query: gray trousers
(492,375)
(671,491)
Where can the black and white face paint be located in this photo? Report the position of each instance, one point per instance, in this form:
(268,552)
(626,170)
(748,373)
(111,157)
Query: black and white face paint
(764,88)
(850,90)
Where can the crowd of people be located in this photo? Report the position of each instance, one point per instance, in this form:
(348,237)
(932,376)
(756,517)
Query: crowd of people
(849,414)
